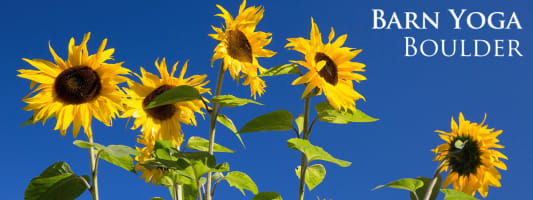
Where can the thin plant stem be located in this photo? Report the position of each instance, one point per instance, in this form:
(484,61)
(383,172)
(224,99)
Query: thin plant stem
(85,182)
(303,163)
(200,192)
(178,189)
(434,180)
(94,170)
(215,187)
(178,192)
(212,126)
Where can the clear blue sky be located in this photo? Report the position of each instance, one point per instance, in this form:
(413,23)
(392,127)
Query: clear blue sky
(412,96)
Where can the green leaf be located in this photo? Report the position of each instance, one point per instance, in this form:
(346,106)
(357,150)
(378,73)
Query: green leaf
(241,181)
(177,94)
(280,120)
(180,176)
(327,113)
(119,150)
(162,149)
(232,101)
(267,196)
(201,162)
(300,123)
(314,152)
(201,144)
(223,167)
(118,155)
(410,184)
(169,179)
(157,198)
(190,192)
(421,192)
(202,181)
(313,175)
(86,145)
(30,120)
(226,121)
(217,175)
(56,182)
(451,194)
(290,68)
(55,169)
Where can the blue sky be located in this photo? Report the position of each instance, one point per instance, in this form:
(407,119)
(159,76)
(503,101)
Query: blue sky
(413,96)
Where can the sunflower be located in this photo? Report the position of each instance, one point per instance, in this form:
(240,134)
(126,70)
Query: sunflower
(469,154)
(144,157)
(77,89)
(164,121)
(240,46)
(330,68)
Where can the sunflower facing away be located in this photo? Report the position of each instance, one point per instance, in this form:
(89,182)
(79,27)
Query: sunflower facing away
(163,122)
(240,46)
(77,89)
(330,68)
(146,155)
(473,165)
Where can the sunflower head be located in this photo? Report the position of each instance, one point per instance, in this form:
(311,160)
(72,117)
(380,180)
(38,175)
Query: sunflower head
(330,68)
(240,46)
(77,89)
(163,122)
(470,156)
(145,156)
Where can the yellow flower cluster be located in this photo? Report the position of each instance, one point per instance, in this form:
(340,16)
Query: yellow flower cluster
(86,86)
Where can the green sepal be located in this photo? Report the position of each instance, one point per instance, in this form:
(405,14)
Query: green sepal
(31,120)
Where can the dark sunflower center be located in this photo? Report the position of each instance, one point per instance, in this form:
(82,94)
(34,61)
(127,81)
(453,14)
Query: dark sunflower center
(329,71)
(161,112)
(464,161)
(77,85)
(239,47)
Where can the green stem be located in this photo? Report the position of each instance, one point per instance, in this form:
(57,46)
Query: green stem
(303,162)
(434,180)
(94,170)
(212,126)
(178,192)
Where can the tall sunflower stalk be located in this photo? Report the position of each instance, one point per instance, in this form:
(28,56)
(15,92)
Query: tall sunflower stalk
(212,126)
(161,122)
(330,71)
(305,135)
(239,47)
(76,90)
